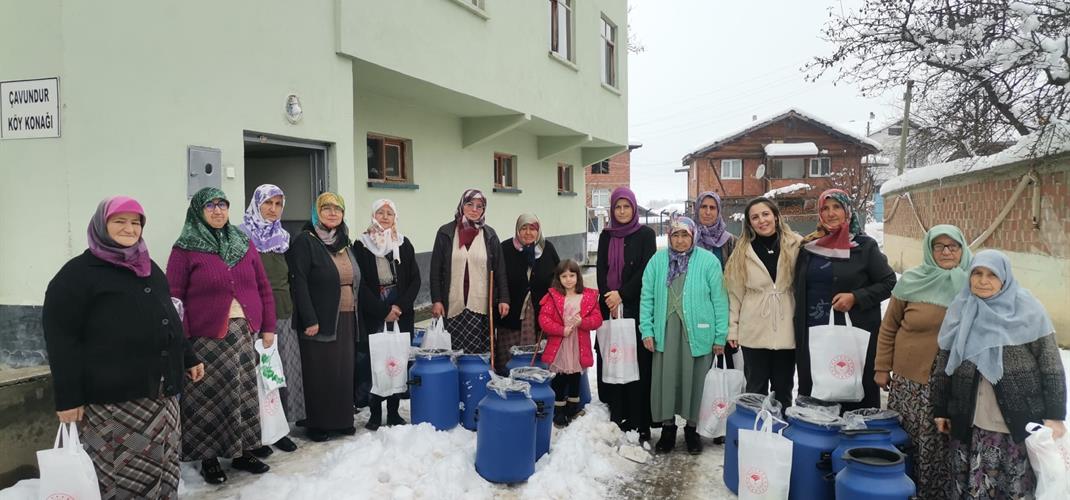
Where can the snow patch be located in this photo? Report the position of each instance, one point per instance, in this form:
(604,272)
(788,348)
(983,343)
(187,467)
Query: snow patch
(794,188)
(791,149)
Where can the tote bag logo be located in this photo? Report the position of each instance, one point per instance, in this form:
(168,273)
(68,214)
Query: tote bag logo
(757,482)
(717,408)
(60,496)
(393,367)
(614,353)
(842,367)
(272,403)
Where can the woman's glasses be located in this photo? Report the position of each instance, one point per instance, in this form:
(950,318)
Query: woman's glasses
(213,205)
(951,247)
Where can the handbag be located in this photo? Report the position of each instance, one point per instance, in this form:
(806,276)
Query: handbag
(1050,459)
(436,336)
(270,367)
(764,460)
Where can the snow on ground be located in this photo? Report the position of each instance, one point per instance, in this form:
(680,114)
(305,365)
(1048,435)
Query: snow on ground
(875,230)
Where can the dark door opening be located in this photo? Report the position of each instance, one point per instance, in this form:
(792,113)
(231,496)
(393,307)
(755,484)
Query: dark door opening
(298,167)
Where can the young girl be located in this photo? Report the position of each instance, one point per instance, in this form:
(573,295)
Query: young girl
(568,314)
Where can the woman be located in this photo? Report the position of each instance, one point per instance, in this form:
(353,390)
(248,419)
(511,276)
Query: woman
(466,251)
(327,296)
(624,248)
(530,261)
(759,278)
(684,321)
(217,274)
(998,369)
(391,280)
(117,354)
(712,234)
(262,223)
(907,346)
(840,268)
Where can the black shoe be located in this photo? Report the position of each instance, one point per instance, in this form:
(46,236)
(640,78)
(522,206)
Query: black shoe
(262,452)
(395,419)
(392,416)
(249,463)
(373,424)
(668,439)
(718,440)
(286,444)
(644,436)
(212,472)
(693,440)
(317,435)
(348,431)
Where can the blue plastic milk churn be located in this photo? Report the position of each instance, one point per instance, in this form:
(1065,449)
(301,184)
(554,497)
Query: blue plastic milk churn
(746,410)
(543,396)
(860,438)
(434,387)
(505,439)
(814,434)
(876,418)
(522,355)
(873,474)
(474,371)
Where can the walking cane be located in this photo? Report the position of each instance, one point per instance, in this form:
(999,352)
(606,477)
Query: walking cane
(490,298)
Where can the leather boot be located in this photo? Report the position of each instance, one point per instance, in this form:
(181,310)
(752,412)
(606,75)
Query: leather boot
(668,439)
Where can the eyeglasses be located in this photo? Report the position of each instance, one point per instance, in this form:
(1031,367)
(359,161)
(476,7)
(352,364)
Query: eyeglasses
(476,206)
(213,205)
(332,208)
(952,247)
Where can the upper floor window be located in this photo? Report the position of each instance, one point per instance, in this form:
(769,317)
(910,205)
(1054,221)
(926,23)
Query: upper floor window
(731,169)
(820,167)
(601,167)
(600,198)
(561,28)
(564,178)
(389,159)
(895,130)
(504,171)
(609,53)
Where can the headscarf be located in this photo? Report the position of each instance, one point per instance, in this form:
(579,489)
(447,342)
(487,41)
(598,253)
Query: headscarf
(977,329)
(101,244)
(617,233)
(380,241)
(715,235)
(838,243)
(930,283)
(227,242)
(678,260)
(335,239)
(468,229)
(267,237)
(533,251)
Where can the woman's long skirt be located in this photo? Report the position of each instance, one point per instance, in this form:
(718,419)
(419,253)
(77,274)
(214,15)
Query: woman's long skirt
(221,413)
(134,446)
(678,376)
(328,378)
(912,401)
(468,332)
(293,395)
(990,466)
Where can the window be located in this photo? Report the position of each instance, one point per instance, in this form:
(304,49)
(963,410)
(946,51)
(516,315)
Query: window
(895,130)
(820,167)
(600,198)
(609,53)
(564,178)
(561,28)
(504,171)
(787,168)
(601,167)
(388,159)
(731,169)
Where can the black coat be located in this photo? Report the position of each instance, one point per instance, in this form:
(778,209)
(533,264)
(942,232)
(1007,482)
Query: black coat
(639,247)
(316,288)
(868,276)
(111,335)
(516,269)
(442,262)
(375,309)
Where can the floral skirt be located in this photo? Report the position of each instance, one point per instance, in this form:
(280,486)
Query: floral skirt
(912,401)
(990,466)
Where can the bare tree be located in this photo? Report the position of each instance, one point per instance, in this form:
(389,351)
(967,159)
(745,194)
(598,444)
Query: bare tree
(860,183)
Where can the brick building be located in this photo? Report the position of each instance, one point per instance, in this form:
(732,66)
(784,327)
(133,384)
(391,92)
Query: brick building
(600,179)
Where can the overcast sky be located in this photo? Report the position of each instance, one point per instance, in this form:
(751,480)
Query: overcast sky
(709,65)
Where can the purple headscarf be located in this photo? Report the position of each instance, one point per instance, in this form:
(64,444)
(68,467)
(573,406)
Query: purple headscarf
(678,260)
(134,258)
(617,232)
(267,237)
(714,235)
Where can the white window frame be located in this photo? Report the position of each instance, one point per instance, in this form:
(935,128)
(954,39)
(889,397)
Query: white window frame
(600,195)
(731,163)
(609,35)
(818,162)
(566,9)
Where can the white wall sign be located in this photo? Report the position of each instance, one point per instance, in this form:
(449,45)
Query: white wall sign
(30,109)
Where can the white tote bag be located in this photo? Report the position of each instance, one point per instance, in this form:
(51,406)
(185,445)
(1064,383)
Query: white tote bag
(837,356)
(436,336)
(764,461)
(718,391)
(66,469)
(273,425)
(270,367)
(389,354)
(616,342)
(1050,459)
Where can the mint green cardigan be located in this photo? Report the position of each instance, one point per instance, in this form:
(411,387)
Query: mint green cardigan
(705,301)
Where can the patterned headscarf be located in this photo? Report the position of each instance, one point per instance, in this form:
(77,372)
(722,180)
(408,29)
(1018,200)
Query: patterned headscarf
(678,260)
(533,251)
(715,235)
(101,244)
(335,239)
(267,237)
(930,283)
(837,243)
(468,229)
(617,233)
(229,243)
(381,241)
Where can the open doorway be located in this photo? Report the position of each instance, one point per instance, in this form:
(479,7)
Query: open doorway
(298,167)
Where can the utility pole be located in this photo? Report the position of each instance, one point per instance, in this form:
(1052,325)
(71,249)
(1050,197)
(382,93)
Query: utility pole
(905,129)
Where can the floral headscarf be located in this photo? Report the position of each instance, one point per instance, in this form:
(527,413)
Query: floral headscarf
(381,241)
(678,260)
(229,243)
(267,237)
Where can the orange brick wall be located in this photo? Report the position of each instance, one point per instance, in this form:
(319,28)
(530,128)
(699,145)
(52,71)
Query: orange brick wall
(620,174)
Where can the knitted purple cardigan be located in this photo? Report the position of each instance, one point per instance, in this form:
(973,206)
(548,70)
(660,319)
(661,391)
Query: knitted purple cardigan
(206,287)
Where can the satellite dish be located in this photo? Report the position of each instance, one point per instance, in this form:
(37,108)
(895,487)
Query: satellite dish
(758,174)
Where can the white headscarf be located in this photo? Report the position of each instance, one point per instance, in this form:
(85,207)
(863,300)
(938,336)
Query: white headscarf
(381,241)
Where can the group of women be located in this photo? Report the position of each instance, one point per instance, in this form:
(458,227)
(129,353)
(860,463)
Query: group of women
(967,354)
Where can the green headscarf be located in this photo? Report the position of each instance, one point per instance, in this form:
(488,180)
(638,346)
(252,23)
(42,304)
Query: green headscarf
(229,243)
(930,283)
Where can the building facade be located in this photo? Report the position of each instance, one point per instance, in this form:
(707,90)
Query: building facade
(600,179)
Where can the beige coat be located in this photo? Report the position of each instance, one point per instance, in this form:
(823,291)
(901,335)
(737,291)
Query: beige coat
(760,311)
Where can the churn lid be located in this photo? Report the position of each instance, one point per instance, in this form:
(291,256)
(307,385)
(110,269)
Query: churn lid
(878,457)
(503,385)
(814,417)
(531,373)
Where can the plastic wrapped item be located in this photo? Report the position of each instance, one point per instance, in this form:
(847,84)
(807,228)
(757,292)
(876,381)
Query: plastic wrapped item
(815,416)
(428,353)
(531,374)
(757,402)
(502,385)
(520,350)
(829,407)
(853,422)
(869,414)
